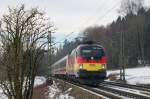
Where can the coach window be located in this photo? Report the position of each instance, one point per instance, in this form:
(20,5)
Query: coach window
(63,63)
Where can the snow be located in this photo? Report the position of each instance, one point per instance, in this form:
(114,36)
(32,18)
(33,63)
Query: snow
(56,93)
(140,75)
(39,80)
(2,96)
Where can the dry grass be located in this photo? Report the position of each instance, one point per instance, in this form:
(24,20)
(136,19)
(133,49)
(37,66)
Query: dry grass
(77,92)
(40,92)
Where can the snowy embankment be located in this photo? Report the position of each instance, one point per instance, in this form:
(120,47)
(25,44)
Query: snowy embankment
(38,81)
(140,75)
(54,91)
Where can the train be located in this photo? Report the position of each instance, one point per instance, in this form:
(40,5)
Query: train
(86,63)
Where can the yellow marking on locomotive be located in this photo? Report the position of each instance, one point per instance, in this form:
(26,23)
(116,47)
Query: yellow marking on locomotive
(92,67)
(89,66)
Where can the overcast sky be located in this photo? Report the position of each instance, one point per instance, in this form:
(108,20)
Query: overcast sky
(71,15)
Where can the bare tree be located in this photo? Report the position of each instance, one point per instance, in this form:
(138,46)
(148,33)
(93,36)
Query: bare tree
(130,6)
(22,34)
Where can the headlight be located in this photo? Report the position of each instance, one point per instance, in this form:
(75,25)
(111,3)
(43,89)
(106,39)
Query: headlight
(81,66)
(103,66)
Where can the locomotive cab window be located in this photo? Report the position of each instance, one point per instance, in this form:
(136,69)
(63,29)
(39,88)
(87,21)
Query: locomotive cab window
(92,51)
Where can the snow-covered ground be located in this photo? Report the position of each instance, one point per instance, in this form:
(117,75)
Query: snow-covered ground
(39,80)
(2,96)
(54,91)
(140,75)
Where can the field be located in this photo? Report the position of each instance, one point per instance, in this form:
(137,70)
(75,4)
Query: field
(134,76)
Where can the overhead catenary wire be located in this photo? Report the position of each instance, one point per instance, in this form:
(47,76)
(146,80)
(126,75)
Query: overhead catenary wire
(62,39)
(108,11)
(87,20)
(100,18)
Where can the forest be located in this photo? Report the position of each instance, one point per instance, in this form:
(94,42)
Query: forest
(130,33)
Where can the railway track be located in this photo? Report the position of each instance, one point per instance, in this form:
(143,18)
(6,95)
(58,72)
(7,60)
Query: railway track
(138,87)
(125,91)
(112,90)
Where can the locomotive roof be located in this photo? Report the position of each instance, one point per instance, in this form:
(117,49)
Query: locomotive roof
(81,45)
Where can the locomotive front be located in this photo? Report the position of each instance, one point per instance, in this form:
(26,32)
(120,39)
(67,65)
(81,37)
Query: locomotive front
(91,62)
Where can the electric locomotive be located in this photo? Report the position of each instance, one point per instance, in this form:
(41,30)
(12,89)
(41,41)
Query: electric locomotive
(86,63)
